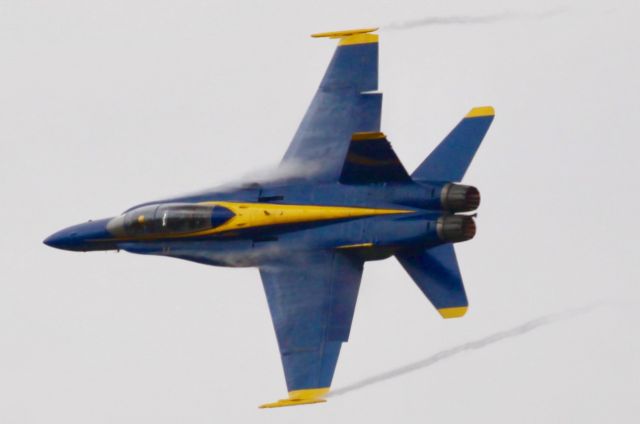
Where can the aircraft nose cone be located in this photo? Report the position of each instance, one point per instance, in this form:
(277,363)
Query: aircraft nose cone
(92,235)
(59,240)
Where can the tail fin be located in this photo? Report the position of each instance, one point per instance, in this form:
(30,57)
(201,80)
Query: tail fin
(435,271)
(370,159)
(450,160)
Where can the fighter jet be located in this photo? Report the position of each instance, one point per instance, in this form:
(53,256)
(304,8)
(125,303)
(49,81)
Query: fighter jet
(347,201)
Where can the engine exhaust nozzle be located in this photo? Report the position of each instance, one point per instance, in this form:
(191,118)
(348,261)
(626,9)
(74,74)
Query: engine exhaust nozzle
(459,198)
(456,228)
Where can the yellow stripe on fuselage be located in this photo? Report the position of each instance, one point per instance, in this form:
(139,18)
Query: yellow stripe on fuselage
(251,215)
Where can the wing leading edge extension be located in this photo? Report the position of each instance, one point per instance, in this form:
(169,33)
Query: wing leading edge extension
(312,297)
(344,104)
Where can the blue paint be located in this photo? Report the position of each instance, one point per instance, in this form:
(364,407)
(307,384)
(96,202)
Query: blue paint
(436,273)
(372,162)
(311,271)
(339,108)
(312,312)
(92,235)
(220,215)
(450,160)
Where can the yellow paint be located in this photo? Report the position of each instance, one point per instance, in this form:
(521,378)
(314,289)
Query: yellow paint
(363,136)
(308,393)
(343,33)
(288,402)
(354,246)
(358,39)
(300,397)
(351,36)
(456,312)
(250,215)
(478,112)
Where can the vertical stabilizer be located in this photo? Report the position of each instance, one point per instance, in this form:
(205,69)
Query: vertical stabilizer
(450,160)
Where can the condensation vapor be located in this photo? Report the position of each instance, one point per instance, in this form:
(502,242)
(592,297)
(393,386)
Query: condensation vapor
(256,256)
(474,345)
(472,19)
(269,175)
(284,172)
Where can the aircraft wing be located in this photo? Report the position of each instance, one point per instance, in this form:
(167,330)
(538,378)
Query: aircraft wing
(344,104)
(311,298)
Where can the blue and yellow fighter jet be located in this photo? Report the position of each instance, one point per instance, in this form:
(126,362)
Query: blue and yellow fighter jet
(311,232)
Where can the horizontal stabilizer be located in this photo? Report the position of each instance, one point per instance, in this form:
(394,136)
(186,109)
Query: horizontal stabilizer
(370,159)
(450,160)
(435,271)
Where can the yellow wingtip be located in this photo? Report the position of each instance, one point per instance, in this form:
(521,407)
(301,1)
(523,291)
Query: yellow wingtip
(344,33)
(300,397)
(478,112)
(351,36)
(456,312)
(289,402)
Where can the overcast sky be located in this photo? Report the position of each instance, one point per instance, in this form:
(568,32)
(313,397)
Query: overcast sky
(105,104)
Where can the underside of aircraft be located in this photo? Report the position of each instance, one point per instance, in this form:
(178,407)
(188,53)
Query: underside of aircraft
(346,199)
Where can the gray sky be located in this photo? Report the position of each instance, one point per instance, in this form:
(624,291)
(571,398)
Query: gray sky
(104,104)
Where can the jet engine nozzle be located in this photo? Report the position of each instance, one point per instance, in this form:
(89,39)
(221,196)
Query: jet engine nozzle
(456,228)
(459,198)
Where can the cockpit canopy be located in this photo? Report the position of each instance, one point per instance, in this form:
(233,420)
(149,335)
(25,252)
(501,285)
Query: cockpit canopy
(169,218)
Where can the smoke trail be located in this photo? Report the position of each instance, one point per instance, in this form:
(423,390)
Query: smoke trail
(472,19)
(474,345)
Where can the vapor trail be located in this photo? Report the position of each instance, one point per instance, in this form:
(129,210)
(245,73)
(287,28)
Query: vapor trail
(474,345)
(472,19)
(271,174)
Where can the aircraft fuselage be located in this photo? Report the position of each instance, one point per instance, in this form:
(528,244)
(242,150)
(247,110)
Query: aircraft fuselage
(252,225)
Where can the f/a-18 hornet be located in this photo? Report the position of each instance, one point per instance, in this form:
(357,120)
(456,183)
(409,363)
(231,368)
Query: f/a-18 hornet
(346,201)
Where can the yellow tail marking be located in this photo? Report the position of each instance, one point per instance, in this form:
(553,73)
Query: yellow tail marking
(351,36)
(300,397)
(358,39)
(343,33)
(478,112)
(249,215)
(456,312)
(370,135)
